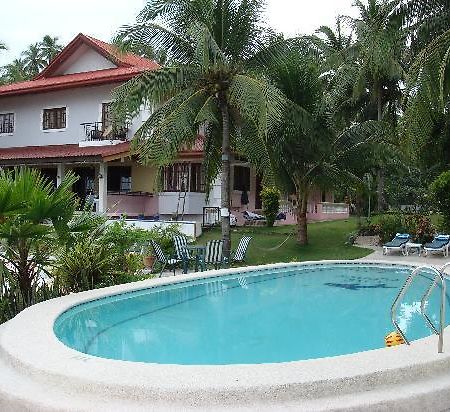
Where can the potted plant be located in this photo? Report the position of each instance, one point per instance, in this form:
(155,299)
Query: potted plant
(148,257)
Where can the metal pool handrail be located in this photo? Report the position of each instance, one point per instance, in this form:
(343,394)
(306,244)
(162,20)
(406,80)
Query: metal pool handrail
(439,276)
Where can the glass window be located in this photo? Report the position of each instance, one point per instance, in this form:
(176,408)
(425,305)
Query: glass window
(54,118)
(6,123)
(119,179)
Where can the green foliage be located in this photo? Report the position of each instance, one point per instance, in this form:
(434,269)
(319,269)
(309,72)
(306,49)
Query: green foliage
(164,236)
(387,225)
(440,190)
(270,197)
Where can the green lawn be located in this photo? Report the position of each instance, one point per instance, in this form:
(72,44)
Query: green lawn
(326,241)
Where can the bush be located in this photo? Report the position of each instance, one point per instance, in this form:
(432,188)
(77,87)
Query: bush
(440,192)
(270,197)
(418,226)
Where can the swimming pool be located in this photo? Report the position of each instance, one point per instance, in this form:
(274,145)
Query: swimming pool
(278,314)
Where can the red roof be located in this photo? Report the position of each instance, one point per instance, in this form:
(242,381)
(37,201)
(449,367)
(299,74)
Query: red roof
(62,151)
(129,65)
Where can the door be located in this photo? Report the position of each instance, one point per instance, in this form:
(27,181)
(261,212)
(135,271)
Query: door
(84,186)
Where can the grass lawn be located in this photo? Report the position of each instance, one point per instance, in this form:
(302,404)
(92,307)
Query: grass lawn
(326,241)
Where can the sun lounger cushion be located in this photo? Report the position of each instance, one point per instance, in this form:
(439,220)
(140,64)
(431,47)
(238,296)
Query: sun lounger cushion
(399,240)
(436,244)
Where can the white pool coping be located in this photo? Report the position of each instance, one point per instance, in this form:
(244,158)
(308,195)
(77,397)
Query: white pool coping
(30,348)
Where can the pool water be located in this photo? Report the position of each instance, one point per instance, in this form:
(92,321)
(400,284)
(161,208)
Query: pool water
(273,315)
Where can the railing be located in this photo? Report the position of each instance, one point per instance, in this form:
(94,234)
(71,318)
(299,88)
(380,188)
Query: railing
(439,277)
(99,131)
(6,127)
(328,207)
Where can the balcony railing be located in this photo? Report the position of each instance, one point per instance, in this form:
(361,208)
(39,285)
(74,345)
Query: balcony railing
(98,131)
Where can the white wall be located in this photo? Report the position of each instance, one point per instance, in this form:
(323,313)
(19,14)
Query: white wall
(83,105)
(84,59)
(191,229)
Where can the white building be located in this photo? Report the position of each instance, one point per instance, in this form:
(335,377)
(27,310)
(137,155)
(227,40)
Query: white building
(61,121)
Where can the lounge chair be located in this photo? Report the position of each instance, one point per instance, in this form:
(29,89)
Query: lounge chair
(440,243)
(166,261)
(238,256)
(181,251)
(213,254)
(398,243)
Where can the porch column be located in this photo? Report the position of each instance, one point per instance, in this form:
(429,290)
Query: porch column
(102,187)
(60,173)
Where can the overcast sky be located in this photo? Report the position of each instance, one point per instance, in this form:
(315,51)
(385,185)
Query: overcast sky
(25,22)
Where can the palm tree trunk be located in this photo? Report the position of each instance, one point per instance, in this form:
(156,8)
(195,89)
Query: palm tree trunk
(225,188)
(302,223)
(380,171)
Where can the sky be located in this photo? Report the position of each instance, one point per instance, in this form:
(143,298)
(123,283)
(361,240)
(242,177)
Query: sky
(25,21)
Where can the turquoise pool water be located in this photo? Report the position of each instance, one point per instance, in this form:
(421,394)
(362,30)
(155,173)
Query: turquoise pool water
(276,315)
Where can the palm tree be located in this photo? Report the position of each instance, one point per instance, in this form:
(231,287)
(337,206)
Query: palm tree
(15,71)
(3,46)
(33,216)
(307,150)
(33,59)
(374,77)
(215,47)
(49,48)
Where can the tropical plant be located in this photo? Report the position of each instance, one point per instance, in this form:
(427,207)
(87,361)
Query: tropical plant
(35,219)
(214,47)
(440,190)
(33,59)
(15,71)
(49,48)
(307,150)
(370,84)
(270,197)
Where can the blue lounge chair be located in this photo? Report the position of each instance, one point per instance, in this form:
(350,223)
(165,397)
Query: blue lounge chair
(398,243)
(440,243)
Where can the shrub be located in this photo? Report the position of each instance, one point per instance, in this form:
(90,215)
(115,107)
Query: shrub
(388,226)
(85,265)
(270,197)
(440,192)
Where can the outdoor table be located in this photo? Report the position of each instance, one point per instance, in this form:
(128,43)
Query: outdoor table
(199,252)
(410,245)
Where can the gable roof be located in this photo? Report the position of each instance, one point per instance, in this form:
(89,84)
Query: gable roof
(128,66)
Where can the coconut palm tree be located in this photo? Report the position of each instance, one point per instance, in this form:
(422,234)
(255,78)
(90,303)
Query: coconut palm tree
(49,48)
(15,71)
(373,79)
(214,47)
(33,59)
(308,150)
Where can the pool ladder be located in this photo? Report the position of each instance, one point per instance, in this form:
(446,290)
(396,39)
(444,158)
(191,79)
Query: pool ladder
(438,278)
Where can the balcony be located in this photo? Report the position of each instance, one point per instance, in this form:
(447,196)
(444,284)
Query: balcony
(98,134)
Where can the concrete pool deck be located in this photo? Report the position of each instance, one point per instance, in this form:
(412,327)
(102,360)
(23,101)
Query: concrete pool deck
(38,372)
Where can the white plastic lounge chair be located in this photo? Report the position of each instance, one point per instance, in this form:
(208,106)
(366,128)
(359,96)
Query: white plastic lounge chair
(440,243)
(398,243)
(252,216)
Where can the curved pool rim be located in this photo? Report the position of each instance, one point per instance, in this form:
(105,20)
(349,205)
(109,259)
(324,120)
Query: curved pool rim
(47,361)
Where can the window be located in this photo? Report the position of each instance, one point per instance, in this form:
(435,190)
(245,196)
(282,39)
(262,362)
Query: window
(6,123)
(241,178)
(197,183)
(175,177)
(106,115)
(54,118)
(119,179)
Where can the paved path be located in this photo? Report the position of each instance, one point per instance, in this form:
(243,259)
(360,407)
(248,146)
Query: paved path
(434,259)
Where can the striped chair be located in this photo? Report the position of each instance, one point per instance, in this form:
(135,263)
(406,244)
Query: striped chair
(162,259)
(238,256)
(213,254)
